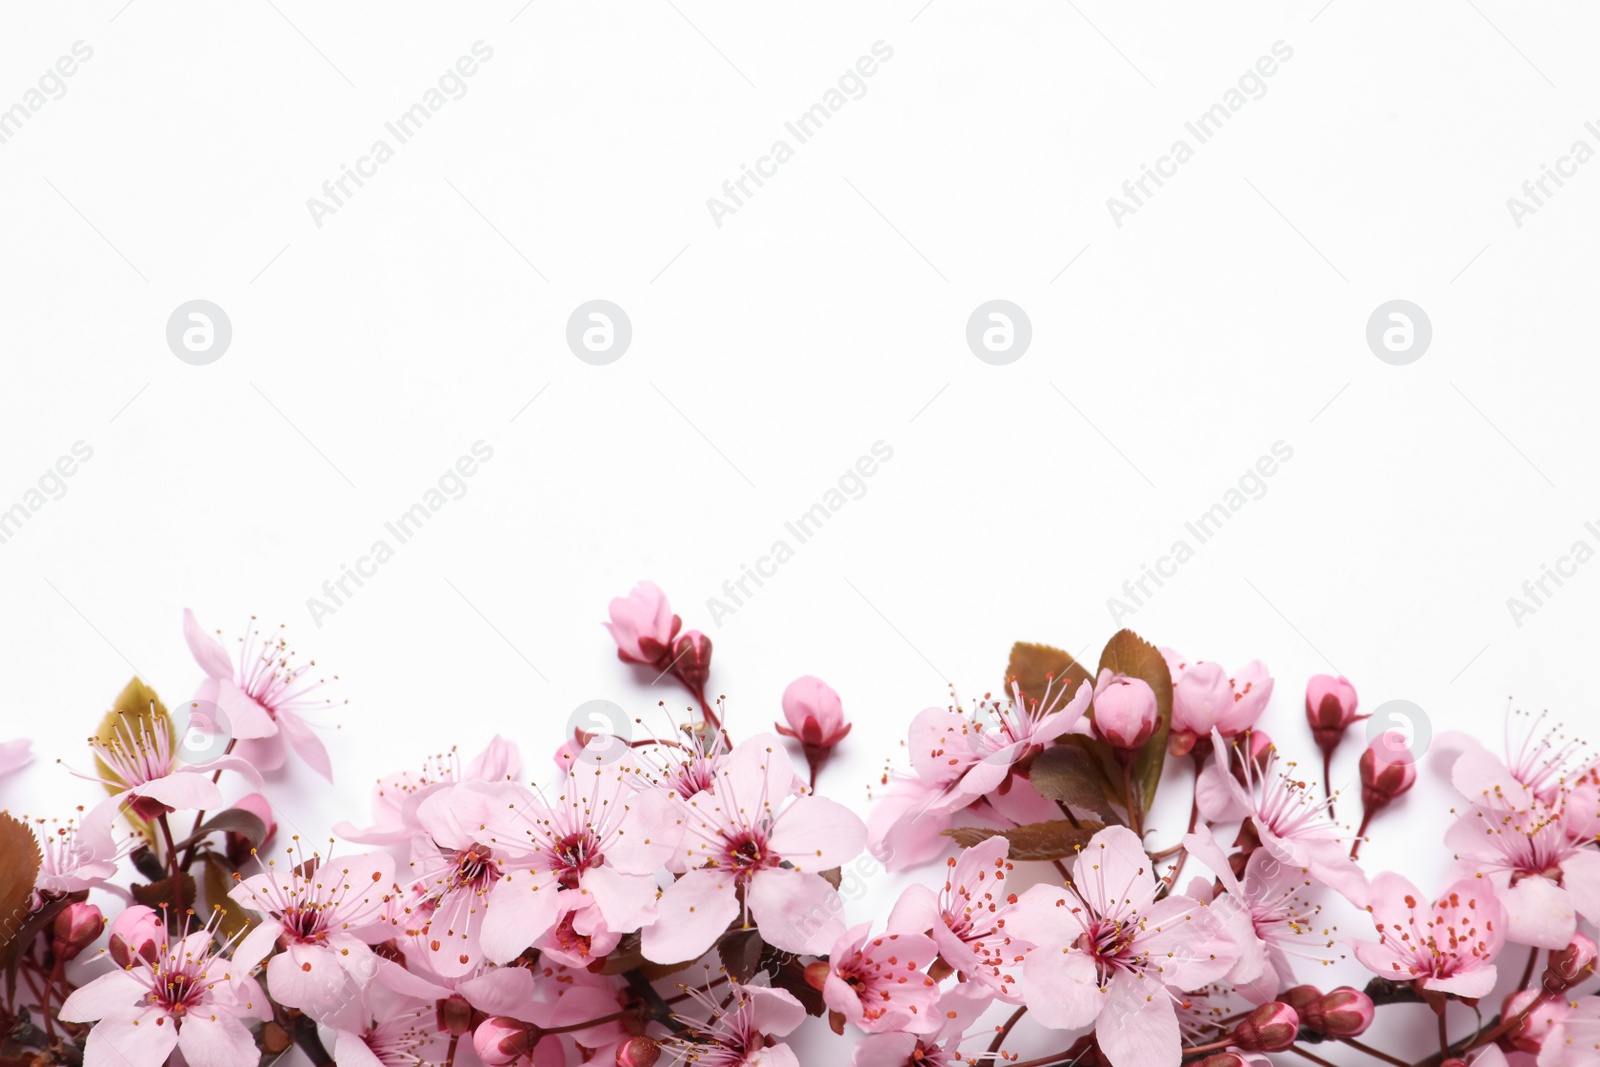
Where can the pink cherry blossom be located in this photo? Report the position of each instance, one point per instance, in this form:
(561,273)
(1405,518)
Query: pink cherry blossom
(151,779)
(395,798)
(967,918)
(1448,946)
(752,849)
(643,625)
(1574,1041)
(878,984)
(581,865)
(1290,820)
(262,701)
(389,1029)
(738,1029)
(938,1048)
(76,856)
(1204,696)
(322,913)
(1107,949)
(188,997)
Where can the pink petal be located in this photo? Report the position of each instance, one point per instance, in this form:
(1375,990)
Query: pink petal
(1478,982)
(349,1050)
(206,649)
(774,1012)
(1144,1030)
(244,718)
(183,790)
(1539,912)
(519,910)
(1062,988)
(1116,865)
(306,743)
(217,1041)
(797,912)
(1581,875)
(118,1042)
(691,914)
(111,994)
(815,833)
(262,753)
(502,991)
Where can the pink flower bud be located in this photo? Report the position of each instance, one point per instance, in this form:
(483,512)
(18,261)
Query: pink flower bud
(453,1014)
(638,1052)
(1571,965)
(500,1041)
(1530,1031)
(237,846)
(1301,997)
(691,660)
(1388,769)
(814,713)
(1272,1027)
(1344,1012)
(75,928)
(643,626)
(1124,710)
(137,932)
(1330,709)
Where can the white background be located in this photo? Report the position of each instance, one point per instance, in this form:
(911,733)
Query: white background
(771,352)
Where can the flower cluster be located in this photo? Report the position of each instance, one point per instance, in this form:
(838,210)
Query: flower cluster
(675,897)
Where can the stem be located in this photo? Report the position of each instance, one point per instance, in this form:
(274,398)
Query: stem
(1527,974)
(1374,1053)
(1444,1035)
(199,816)
(1327,779)
(172,859)
(1004,1031)
(1355,847)
(450,1053)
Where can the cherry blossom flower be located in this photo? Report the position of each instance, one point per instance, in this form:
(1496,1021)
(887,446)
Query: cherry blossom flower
(1519,834)
(188,997)
(753,847)
(395,797)
(938,1048)
(322,913)
(582,865)
(643,625)
(1291,822)
(1574,1041)
(389,1029)
(76,856)
(151,779)
(877,983)
(967,918)
(739,1030)
(1205,697)
(457,863)
(1448,946)
(1106,949)
(262,701)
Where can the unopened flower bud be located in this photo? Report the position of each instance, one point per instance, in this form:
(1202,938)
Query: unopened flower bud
(815,717)
(454,1015)
(1388,769)
(1571,965)
(1344,1012)
(1124,710)
(691,659)
(237,845)
(75,928)
(638,1052)
(1528,1033)
(500,1041)
(1301,997)
(817,974)
(1330,709)
(1270,1028)
(137,933)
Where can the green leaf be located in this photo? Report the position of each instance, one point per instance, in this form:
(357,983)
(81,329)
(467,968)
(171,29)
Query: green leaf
(1071,774)
(19,866)
(1033,666)
(1052,840)
(1128,653)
